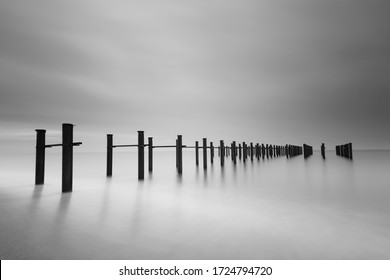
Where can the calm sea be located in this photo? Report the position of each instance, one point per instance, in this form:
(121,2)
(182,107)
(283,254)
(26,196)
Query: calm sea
(268,209)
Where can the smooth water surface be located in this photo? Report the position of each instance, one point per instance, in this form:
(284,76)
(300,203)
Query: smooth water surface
(268,209)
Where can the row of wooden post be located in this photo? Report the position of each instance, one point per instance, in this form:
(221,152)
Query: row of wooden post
(242,151)
(344,150)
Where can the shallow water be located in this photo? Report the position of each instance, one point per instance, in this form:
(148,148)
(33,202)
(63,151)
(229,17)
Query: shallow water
(268,209)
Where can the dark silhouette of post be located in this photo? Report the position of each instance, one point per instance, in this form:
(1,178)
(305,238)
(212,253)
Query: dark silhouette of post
(141,155)
(40,157)
(239,151)
(234,152)
(211,152)
(222,146)
(251,151)
(197,153)
(350,150)
(150,154)
(179,154)
(323,150)
(67,157)
(109,154)
(204,153)
(244,151)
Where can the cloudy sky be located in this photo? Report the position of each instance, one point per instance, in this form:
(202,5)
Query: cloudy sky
(269,71)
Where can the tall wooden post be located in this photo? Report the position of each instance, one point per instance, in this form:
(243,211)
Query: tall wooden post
(141,155)
(40,156)
(244,151)
(350,150)
(67,157)
(150,154)
(234,152)
(180,154)
(204,153)
(211,152)
(251,151)
(222,146)
(197,153)
(109,154)
(239,151)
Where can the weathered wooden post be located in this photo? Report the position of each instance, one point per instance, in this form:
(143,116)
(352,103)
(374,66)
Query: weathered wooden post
(222,146)
(204,153)
(40,156)
(150,154)
(244,151)
(239,151)
(141,155)
(67,157)
(180,154)
(234,153)
(109,154)
(251,151)
(197,153)
(323,150)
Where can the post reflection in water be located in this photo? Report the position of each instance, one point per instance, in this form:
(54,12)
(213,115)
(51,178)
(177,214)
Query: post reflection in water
(277,208)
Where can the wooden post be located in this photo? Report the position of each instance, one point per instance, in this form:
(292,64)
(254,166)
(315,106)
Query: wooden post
(251,151)
(323,150)
(239,151)
(350,150)
(180,154)
(141,155)
(204,153)
(67,157)
(234,152)
(40,157)
(197,153)
(244,151)
(211,152)
(109,154)
(222,153)
(150,154)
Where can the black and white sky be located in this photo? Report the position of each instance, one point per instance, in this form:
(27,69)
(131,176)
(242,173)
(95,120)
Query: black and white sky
(268,71)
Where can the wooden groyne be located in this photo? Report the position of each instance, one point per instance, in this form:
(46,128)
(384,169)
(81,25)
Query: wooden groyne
(241,152)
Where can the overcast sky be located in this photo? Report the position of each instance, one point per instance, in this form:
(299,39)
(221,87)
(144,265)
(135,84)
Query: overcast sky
(269,71)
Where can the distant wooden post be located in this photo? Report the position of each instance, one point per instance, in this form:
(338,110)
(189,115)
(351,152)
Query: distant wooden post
(67,157)
(211,152)
(239,151)
(197,153)
(251,151)
(234,153)
(323,150)
(222,146)
(109,154)
(245,151)
(40,156)
(150,154)
(204,153)
(141,155)
(350,150)
(180,154)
